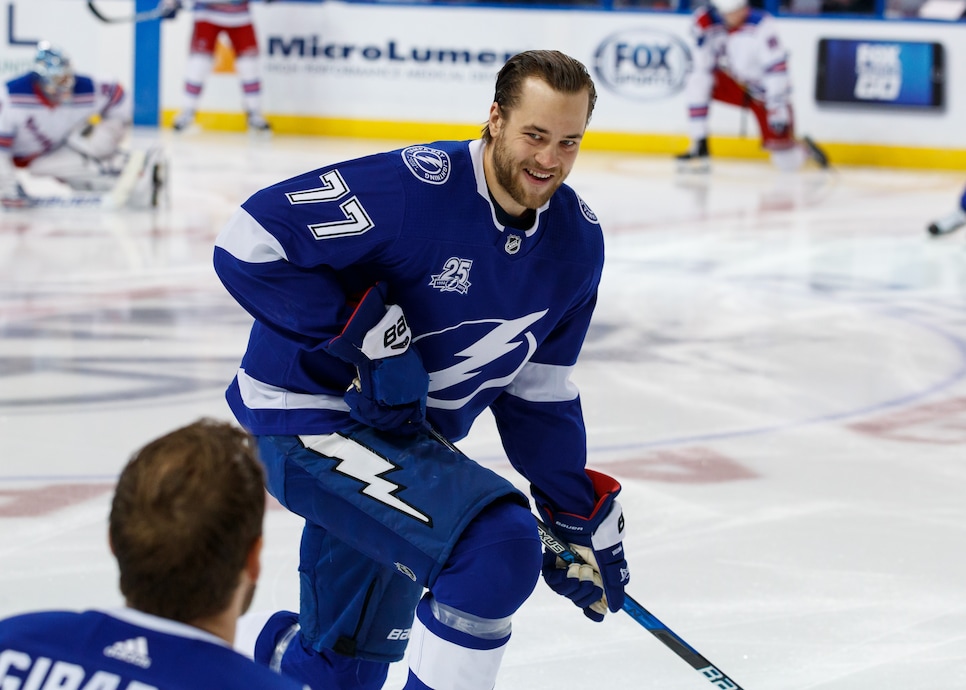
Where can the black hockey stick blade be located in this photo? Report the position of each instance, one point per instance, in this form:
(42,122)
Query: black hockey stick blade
(157,13)
(640,614)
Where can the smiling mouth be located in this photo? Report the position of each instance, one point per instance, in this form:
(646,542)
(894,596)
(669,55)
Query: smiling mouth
(538,175)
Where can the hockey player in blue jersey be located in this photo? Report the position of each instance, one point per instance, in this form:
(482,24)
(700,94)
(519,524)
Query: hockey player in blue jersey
(186,528)
(396,297)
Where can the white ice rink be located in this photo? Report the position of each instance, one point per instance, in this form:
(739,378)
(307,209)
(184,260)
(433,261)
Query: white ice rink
(776,372)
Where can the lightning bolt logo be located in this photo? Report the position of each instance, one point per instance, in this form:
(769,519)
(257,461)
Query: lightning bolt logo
(505,337)
(365,466)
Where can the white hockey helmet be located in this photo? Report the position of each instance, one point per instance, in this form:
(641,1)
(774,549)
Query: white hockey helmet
(729,6)
(54,72)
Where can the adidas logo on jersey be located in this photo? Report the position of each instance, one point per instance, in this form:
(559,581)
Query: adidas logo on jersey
(133,651)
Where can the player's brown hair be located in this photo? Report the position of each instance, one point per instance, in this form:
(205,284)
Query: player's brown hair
(186,513)
(561,72)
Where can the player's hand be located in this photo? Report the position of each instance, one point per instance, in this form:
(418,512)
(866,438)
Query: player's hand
(390,390)
(598,584)
(779,117)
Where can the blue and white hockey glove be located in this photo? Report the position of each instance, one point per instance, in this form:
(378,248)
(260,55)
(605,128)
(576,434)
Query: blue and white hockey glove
(390,388)
(598,583)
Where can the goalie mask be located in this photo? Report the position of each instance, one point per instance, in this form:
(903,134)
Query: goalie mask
(54,73)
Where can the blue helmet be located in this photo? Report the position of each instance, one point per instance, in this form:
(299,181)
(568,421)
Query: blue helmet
(53,72)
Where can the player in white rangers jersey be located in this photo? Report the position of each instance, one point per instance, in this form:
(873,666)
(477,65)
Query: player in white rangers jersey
(186,528)
(739,59)
(211,19)
(58,124)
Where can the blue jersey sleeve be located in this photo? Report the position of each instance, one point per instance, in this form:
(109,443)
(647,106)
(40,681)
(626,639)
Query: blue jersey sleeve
(540,419)
(280,254)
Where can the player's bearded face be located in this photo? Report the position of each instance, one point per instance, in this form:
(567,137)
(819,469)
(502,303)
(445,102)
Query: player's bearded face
(512,174)
(535,145)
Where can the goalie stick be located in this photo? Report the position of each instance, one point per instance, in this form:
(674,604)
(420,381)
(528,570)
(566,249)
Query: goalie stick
(640,614)
(157,13)
(633,609)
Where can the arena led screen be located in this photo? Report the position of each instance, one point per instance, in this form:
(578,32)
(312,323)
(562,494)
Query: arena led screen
(880,73)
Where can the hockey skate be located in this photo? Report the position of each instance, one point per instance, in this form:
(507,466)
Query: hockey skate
(183,120)
(257,123)
(279,631)
(815,153)
(696,159)
(947,224)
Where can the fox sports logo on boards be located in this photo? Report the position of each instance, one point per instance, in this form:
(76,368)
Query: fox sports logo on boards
(643,64)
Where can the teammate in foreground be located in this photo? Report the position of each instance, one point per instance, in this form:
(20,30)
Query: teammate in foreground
(58,124)
(233,19)
(738,59)
(186,529)
(469,260)
(953,221)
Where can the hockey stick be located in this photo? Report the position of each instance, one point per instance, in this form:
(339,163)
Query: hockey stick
(633,609)
(157,13)
(640,614)
(72,202)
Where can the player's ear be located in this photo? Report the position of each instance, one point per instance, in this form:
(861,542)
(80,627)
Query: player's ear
(253,563)
(495,121)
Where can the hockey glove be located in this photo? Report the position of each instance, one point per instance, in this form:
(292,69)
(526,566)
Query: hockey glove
(598,583)
(390,389)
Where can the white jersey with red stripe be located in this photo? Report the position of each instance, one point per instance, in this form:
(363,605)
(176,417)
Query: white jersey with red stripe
(752,54)
(227,13)
(31,125)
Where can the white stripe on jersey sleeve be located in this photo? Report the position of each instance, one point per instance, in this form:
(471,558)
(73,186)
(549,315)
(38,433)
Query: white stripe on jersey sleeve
(543,383)
(247,241)
(258,395)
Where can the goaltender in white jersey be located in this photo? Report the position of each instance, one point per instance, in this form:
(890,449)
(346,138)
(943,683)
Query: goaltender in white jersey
(57,124)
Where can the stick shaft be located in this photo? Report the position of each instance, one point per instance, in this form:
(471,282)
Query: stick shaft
(648,620)
(156,13)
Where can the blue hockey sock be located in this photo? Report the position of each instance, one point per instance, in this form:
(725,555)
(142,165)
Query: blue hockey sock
(463,625)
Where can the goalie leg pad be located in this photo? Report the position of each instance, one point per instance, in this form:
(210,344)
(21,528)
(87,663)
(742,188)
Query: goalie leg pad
(74,169)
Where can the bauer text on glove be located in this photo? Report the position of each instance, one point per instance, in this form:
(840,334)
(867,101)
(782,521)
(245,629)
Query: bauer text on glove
(597,584)
(390,389)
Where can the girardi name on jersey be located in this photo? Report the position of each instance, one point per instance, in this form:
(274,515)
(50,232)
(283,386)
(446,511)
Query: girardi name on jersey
(21,671)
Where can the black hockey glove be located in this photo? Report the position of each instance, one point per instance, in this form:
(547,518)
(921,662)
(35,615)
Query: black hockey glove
(390,389)
(598,583)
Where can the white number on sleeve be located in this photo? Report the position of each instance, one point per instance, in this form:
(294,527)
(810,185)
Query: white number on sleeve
(334,188)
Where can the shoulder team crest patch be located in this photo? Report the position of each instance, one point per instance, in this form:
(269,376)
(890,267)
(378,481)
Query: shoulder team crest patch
(429,165)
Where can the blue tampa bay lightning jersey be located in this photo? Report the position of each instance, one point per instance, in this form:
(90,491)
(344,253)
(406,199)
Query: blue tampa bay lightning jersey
(498,315)
(123,650)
